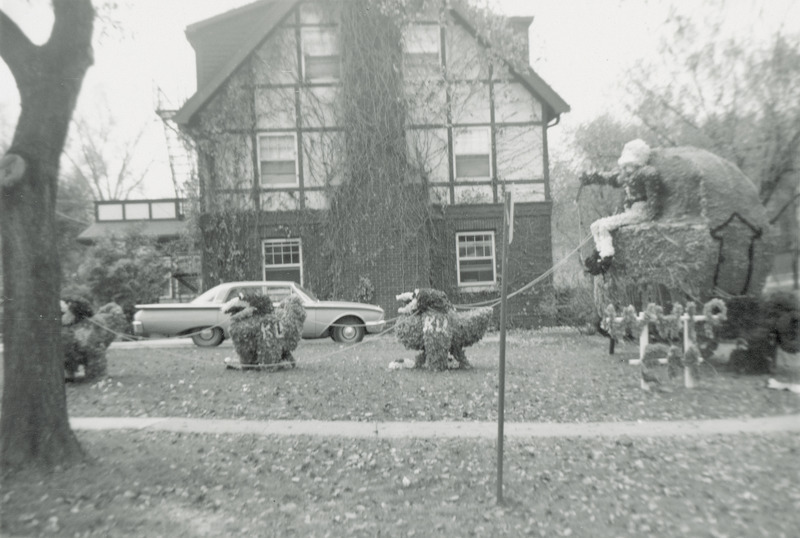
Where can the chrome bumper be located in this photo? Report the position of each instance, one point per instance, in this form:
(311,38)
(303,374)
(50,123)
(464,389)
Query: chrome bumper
(375,326)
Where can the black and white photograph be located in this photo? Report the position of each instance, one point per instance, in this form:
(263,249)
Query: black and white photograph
(400,268)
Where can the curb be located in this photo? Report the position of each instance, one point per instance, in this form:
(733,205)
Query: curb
(442,429)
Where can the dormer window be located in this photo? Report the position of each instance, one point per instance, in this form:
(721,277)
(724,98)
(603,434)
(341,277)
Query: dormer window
(321,61)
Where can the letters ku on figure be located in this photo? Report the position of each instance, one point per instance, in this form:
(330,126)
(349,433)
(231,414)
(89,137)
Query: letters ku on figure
(641,183)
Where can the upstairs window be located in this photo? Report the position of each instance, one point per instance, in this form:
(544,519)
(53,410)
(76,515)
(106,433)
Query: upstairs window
(277,156)
(472,148)
(283,260)
(109,211)
(320,54)
(475,255)
(421,48)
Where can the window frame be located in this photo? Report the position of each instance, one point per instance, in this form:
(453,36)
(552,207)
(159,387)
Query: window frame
(296,182)
(461,130)
(459,259)
(425,57)
(305,54)
(285,240)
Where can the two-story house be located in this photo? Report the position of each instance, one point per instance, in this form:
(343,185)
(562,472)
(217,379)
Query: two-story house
(293,102)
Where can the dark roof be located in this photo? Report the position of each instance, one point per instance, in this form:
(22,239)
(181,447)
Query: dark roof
(158,229)
(231,37)
(224,41)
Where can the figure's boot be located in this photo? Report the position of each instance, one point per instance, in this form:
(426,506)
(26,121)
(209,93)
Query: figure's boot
(595,265)
(605,263)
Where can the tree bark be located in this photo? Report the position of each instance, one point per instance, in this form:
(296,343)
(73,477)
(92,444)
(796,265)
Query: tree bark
(34,426)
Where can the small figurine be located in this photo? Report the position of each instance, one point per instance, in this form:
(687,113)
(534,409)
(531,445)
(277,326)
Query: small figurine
(640,182)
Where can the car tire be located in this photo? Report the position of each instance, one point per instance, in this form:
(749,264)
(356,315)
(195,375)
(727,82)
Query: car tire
(210,337)
(348,331)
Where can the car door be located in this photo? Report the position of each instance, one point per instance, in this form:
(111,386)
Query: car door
(278,293)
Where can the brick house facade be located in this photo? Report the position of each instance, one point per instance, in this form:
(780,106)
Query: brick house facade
(264,119)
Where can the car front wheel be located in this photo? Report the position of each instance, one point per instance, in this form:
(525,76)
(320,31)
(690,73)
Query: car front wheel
(209,337)
(348,331)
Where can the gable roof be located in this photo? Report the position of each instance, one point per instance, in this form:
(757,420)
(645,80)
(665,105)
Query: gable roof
(527,76)
(238,32)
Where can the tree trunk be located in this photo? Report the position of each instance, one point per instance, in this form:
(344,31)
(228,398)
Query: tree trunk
(34,426)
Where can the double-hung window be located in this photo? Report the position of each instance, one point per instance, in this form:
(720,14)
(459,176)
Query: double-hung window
(321,61)
(277,156)
(475,256)
(283,260)
(472,148)
(421,48)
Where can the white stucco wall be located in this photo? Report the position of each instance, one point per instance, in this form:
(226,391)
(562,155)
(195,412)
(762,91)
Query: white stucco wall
(518,148)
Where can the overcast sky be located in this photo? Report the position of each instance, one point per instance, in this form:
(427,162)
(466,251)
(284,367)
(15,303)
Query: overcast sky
(580,47)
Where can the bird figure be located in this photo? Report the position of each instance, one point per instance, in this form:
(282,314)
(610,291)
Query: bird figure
(85,336)
(263,334)
(430,324)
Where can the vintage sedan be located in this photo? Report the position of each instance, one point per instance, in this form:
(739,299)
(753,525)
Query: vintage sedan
(204,321)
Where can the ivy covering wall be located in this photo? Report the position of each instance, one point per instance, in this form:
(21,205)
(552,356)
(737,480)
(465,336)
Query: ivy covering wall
(374,148)
(381,197)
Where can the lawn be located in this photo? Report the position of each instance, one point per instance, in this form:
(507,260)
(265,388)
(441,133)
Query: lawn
(170,484)
(550,377)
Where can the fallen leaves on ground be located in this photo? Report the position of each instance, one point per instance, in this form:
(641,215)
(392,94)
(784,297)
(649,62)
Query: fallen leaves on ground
(171,484)
(549,378)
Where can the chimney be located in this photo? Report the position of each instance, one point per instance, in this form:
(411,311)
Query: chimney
(520,25)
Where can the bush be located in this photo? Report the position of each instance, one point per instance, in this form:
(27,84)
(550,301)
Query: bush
(574,306)
(126,270)
(365,292)
(763,325)
(782,312)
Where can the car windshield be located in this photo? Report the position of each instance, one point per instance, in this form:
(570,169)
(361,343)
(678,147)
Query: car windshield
(308,293)
(207,297)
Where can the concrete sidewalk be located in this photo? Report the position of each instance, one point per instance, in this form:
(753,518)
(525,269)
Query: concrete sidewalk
(443,430)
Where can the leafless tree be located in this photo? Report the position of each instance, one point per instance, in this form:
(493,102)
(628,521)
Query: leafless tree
(735,94)
(34,427)
(111,166)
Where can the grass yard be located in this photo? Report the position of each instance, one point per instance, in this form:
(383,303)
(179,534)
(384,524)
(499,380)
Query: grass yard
(550,377)
(144,483)
(172,485)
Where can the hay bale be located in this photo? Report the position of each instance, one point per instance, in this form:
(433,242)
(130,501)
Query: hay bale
(697,183)
(710,231)
(676,259)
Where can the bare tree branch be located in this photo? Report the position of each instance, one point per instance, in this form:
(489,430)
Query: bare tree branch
(788,204)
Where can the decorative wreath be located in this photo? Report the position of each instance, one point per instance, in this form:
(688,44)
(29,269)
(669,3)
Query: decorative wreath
(712,319)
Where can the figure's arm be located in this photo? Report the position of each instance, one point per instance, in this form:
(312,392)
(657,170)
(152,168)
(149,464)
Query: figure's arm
(600,178)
